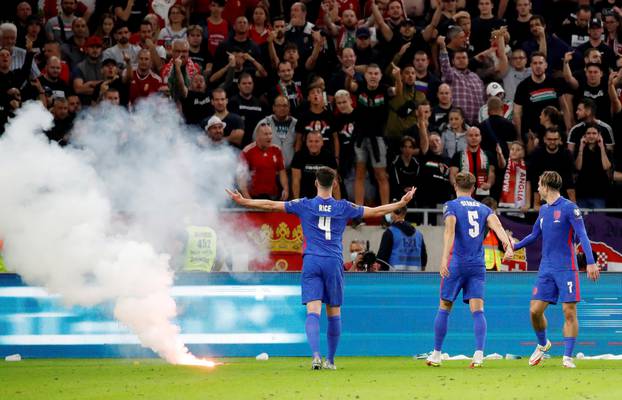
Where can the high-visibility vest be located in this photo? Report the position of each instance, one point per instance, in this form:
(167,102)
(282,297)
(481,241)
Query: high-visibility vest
(406,251)
(200,249)
(492,255)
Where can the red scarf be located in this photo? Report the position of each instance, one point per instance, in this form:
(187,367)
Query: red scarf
(478,165)
(514,188)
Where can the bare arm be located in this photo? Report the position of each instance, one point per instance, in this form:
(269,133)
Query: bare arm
(266,205)
(453,171)
(384,28)
(517,117)
(430,30)
(494,224)
(296,175)
(616,105)
(124,13)
(388,208)
(284,184)
(570,80)
(565,103)
(448,243)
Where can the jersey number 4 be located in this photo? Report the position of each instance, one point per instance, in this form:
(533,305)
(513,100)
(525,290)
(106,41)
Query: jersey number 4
(324,224)
(473,221)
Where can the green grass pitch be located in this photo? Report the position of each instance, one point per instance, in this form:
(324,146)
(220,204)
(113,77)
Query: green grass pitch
(359,378)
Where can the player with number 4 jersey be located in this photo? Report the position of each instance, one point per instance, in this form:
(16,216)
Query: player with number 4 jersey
(323,221)
(463,266)
(559,222)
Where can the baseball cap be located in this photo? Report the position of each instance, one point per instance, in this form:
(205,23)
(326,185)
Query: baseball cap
(109,60)
(407,22)
(94,41)
(494,89)
(214,120)
(596,23)
(363,31)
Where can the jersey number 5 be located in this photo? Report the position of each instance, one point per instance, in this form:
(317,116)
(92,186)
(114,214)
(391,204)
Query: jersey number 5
(324,224)
(474,230)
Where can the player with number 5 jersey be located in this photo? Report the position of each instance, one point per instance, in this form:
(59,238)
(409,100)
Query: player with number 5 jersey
(559,223)
(463,266)
(323,221)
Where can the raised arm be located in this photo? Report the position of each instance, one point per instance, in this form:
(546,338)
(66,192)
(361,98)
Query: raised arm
(266,205)
(448,243)
(388,208)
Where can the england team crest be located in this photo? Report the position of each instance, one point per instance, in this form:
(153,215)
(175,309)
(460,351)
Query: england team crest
(557,214)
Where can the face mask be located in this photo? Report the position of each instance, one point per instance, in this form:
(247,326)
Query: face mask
(388,218)
(353,255)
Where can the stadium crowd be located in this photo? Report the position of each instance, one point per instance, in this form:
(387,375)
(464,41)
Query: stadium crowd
(391,93)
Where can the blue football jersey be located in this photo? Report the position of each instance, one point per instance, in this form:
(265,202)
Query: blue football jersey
(471,228)
(323,222)
(560,225)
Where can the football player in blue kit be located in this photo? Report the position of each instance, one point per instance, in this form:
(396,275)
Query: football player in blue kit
(560,222)
(323,221)
(462,263)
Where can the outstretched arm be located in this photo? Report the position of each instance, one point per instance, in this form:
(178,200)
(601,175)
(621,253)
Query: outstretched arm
(266,205)
(388,208)
(529,239)
(448,243)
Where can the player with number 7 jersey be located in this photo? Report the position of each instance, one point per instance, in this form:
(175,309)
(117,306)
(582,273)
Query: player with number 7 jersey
(463,266)
(323,221)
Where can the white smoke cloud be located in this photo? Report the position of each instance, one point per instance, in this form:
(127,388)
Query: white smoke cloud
(97,222)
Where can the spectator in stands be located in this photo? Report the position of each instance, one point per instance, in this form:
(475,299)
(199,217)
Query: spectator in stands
(317,118)
(260,28)
(214,133)
(371,113)
(440,112)
(112,96)
(10,101)
(88,73)
(112,79)
(262,162)
(546,44)
(483,26)
(197,105)
(365,52)
(497,130)
(347,62)
(593,164)
(238,42)
(52,49)
(534,94)
(425,81)
(74,105)
(496,90)
(175,27)
(404,169)
(516,72)
(283,126)
(23,11)
(175,77)
(123,48)
(457,41)
(58,28)
(299,29)
(454,136)
(50,80)
(158,53)
(142,80)
(595,41)
(574,30)
(344,34)
(305,164)
(449,9)
(592,86)
(247,106)
(402,117)
(217,28)
(467,88)
(433,188)
(234,128)
(553,156)
(479,162)
(198,49)
(613,33)
(62,124)
(72,49)
(273,49)
(357,248)
(402,245)
(34,33)
(494,60)
(586,115)
(104,30)
(519,27)
(516,190)
(344,126)
(19,56)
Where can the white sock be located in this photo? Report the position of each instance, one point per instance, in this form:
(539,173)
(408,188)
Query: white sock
(478,354)
(436,354)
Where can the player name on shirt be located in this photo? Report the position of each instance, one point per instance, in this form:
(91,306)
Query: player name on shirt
(325,207)
(468,203)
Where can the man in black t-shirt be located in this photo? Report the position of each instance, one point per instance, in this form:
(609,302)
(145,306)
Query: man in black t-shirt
(594,164)
(586,114)
(307,162)
(247,106)
(433,181)
(593,86)
(317,118)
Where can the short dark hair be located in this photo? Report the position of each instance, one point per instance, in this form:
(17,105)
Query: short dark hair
(465,180)
(120,25)
(588,104)
(551,180)
(537,54)
(325,177)
(538,18)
